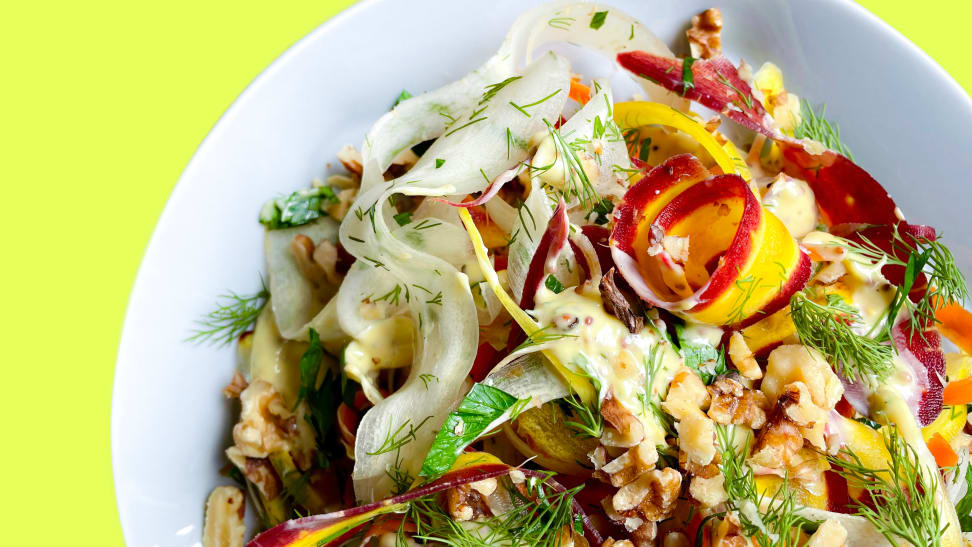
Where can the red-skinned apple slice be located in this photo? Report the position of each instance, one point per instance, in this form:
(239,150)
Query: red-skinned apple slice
(741,263)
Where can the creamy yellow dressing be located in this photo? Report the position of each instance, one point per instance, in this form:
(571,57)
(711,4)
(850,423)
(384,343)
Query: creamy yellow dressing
(386,344)
(701,333)
(601,346)
(793,202)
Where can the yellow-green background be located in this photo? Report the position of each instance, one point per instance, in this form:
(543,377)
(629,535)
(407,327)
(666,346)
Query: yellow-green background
(102,103)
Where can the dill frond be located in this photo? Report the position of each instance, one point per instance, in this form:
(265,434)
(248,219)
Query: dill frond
(815,126)
(828,328)
(234,314)
(903,495)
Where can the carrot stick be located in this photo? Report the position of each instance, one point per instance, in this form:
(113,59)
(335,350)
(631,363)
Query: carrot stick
(956,325)
(958,392)
(942,451)
(579,92)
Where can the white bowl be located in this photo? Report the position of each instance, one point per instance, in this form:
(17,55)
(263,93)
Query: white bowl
(905,119)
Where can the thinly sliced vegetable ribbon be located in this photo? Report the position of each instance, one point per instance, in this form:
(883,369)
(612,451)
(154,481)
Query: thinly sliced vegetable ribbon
(577,382)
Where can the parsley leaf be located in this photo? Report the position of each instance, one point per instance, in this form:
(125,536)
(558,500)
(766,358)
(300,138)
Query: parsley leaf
(598,20)
(964,505)
(602,209)
(298,208)
(481,407)
(688,79)
(439,162)
(403,218)
(707,361)
(310,366)
(554,284)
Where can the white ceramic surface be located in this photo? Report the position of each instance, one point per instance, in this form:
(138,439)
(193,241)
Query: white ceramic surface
(906,120)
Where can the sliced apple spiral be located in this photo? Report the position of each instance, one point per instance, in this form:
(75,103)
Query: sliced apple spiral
(702,246)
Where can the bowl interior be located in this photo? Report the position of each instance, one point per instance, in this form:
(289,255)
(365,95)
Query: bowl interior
(899,112)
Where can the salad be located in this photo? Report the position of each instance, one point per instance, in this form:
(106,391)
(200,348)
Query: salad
(531,312)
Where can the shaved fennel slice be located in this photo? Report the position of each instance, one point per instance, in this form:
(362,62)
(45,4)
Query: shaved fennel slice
(398,431)
(592,132)
(570,22)
(527,375)
(533,216)
(296,300)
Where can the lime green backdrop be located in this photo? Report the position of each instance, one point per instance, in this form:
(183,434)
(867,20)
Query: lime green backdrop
(101,106)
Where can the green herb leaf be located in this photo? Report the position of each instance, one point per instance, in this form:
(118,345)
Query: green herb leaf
(688,79)
(234,314)
(481,407)
(401,97)
(439,162)
(298,208)
(310,366)
(902,497)
(403,218)
(707,361)
(603,210)
(815,126)
(964,507)
(828,328)
(598,20)
(554,284)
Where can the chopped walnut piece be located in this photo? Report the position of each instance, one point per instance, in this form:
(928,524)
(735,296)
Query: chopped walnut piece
(265,421)
(729,534)
(351,159)
(706,471)
(302,247)
(696,436)
(223,525)
(644,535)
(236,386)
(781,438)
(709,492)
(326,256)
(628,430)
(339,210)
(796,364)
(732,403)
(830,534)
(654,494)
(610,542)
(686,392)
(466,503)
(742,357)
(258,471)
(628,466)
(705,36)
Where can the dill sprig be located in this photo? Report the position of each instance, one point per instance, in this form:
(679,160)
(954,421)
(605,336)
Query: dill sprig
(828,328)
(649,402)
(399,437)
(777,523)
(815,126)
(234,314)
(542,336)
(575,178)
(945,281)
(590,422)
(542,516)
(902,496)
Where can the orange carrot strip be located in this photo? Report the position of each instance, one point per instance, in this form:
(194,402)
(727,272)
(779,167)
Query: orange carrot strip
(956,325)
(944,455)
(579,92)
(958,392)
